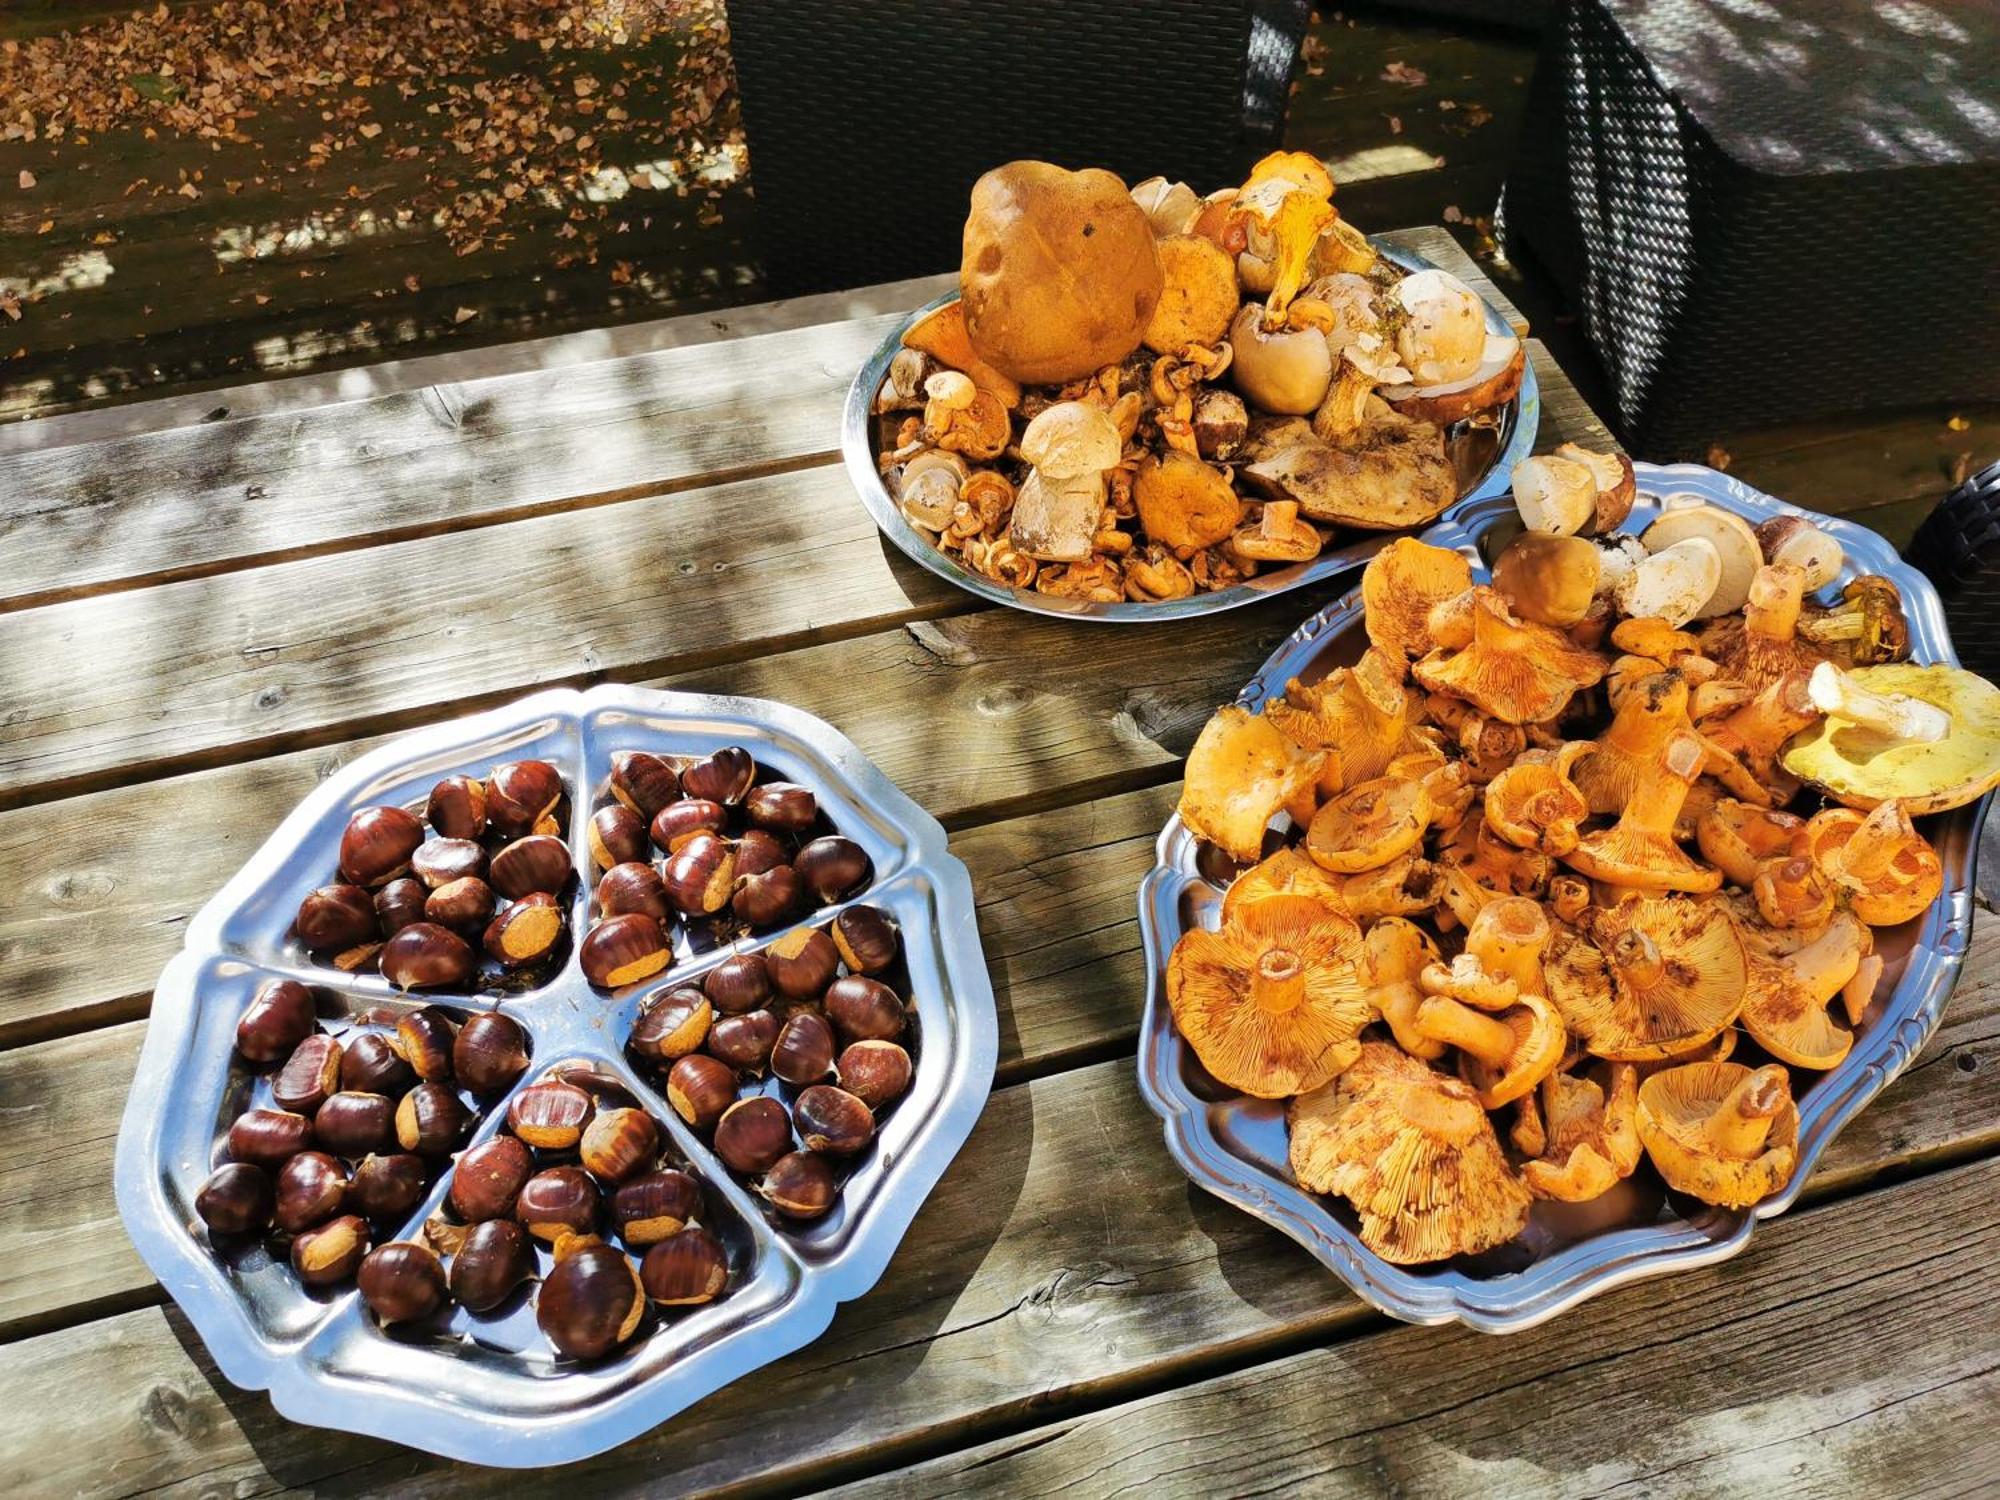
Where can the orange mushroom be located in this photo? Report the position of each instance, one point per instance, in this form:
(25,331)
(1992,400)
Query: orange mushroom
(1396,955)
(1762,644)
(1724,1133)
(1639,851)
(1508,937)
(1658,977)
(1513,670)
(1359,717)
(1366,826)
(1503,1054)
(1398,588)
(1754,734)
(1792,893)
(1632,747)
(1739,838)
(1785,1005)
(1285,873)
(1240,772)
(1881,866)
(1590,1136)
(1533,804)
(1480,868)
(1400,888)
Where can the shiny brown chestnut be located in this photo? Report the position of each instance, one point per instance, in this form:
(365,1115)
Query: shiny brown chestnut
(768,899)
(237,1199)
(590,1303)
(616,836)
(457,807)
(864,1009)
(741,982)
(865,938)
(494,1258)
(377,843)
(431,1120)
(633,887)
(424,1039)
(687,1268)
(654,1204)
(643,781)
(535,863)
(671,1024)
(833,1120)
(489,1052)
(744,1042)
(371,1066)
(676,823)
(617,1144)
(400,903)
(800,1185)
(700,875)
(832,867)
(335,917)
(721,776)
(624,950)
(802,963)
(556,1200)
(425,956)
(438,862)
(489,1178)
(758,851)
(328,1254)
(526,932)
(402,1281)
(802,1053)
(465,906)
(876,1073)
(353,1124)
(519,794)
(268,1138)
(781,807)
(606,1089)
(387,1189)
(550,1115)
(700,1088)
(312,1188)
(280,1016)
(753,1133)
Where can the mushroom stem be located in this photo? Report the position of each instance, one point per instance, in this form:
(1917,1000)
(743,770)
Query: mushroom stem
(1791,893)
(1399,1004)
(1897,715)
(1637,958)
(1856,994)
(1569,897)
(1742,1122)
(1508,937)
(1776,594)
(1871,853)
(1446,1020)
(1278,983)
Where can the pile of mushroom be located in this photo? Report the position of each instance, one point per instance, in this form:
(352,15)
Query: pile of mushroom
(1142,395)
(1574,869)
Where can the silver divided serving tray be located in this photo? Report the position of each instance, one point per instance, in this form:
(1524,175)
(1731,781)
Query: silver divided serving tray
(1236,1147)
(489,1389)
(1512,440)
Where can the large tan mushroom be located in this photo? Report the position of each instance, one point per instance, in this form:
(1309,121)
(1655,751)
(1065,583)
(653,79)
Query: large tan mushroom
(1863,754)
(1724,1133)
(1397,480)
(1657,977)
(1185,504)
(1240,773)
(1197,297)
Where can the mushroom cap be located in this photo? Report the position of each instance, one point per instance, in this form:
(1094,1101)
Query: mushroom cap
(941,334)
(1071,438)
(1658,976)
(1414,1153)
(1785,1006)
(1735,546)
(1861,768)
(1397,479)
(1272,1003)
(1638,852)
(1738,837)
(1359,716)
(1443,332)
(1888,874)
(1285,370)
(1512,670)
(1551,580)
(1169,207)
(1398,588)
(1198,295)
(1184,503)
(1650,714)
(1285,873)
(1240,772)
(1537,1051)
(1534,805)
(1277,535)
(1591,1139)
(1676,1108)
(1369,824)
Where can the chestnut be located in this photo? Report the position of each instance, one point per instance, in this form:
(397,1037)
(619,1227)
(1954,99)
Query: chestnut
(865,1010)
(328,1254)
(237,1199)
(874,1072)
(489,1052)
(606,1089)
(865,938)
(633,887)
(268,1138)
(767,899)
(525,932)
(832,867)
(535,863)
(623,950)
(280,1016)
(370,1065)
(741,982)
(494,1258)
(335,917)
(557,1199)
(675,824)
(831,1119)
(753,1133)
(617,835)
(685,1269)
(721,776)
(439,862)
(758,851)
(643,781)
(457,807)
(312,1188)
(803,1050)
(549,1115)
(387,1189)
(618,1143)
(351,1123)
(802,963)
(590,1303)
(744,1042)
(671,1024)
(425,955)
(377,843)
(402,1281)
(519,794)
(700,875)
(431,1120)
(700,1088)
(424,1039)
(654,1204)
(489,1177)
(399,903)
(800,1185)
(781,807)
(465,906)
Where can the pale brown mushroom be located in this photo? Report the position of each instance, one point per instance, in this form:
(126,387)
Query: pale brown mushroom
(1185,504)
(1277,535)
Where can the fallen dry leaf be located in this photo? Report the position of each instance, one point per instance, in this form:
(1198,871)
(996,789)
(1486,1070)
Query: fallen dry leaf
(1453,214)
(1961,469)
(464,314)
(1395,124)
(1957,423)
(27,178)
(1403,73)
(1717,457)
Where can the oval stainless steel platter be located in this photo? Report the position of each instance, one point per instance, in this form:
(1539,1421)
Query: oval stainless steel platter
(1511,441)
(489,1389)
(1236,1148)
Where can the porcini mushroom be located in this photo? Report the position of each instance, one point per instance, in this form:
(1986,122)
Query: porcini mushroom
(1737,554)
(1456,367)
(1502,1055)
(1549,579)
(1590,1136)
(1719,1131)
(1069,446)
(1671,584)
(1638,852)
(1555,496)
(1861,766)
(927,488)
(1658,977)
(1794,539)
(1514,670)
(1398,588)
(1617,485)
(1880,865)
(1533,804)
(1241,771)
(1184,504)
(1284,370)
(1397,480)
(1415,1154)
(1785,1003)
(1273,1003)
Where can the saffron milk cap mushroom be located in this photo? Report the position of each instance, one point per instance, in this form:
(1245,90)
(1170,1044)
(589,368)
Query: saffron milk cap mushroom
(1240,773)
(1785,1007)
(1400,585)
(1883,869)
(1512,670)
(1590,1135)
(1658,976)
(1719,1131)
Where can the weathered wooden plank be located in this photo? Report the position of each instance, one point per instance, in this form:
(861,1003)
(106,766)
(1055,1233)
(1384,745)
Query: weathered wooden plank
(1848,1353)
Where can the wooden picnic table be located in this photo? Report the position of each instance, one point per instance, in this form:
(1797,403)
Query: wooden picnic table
(201,619)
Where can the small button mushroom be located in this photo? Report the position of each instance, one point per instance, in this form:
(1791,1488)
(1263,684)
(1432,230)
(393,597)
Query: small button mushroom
(1221,423)
(903,387)
(1069,446)
(1672,584)
(961,418)
(1795,540)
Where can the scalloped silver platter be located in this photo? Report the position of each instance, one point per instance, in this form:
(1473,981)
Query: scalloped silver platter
(488,1389)
(1236,1147)
(1519,420)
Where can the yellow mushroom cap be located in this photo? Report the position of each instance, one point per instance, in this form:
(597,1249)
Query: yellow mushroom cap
(1400,585)
(1513,670)
(1785,1007)
(1719,1131)
(1368,825)
(1285,873)
(1860,767)
(1240,772)
(1659,976)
